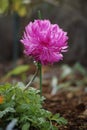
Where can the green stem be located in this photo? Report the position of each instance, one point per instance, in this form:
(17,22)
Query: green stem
(40,65)
(40,70)
(39,14)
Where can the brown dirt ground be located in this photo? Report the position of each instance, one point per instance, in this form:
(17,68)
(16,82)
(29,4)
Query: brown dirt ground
(72,106)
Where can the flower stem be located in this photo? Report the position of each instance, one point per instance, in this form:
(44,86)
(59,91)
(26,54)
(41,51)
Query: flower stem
(39,14)
(40,65)
(40,71)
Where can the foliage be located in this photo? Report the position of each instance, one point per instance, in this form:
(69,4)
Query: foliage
(21,7)
(13,5)
(78,67)
(16,71)
(26,108)
(3,6)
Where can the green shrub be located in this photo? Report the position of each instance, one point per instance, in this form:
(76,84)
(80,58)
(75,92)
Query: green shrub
(26,107)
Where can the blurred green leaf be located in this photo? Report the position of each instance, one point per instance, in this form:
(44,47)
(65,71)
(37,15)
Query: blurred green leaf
(22,11)
(17,6)
(80,68)
(26,126)
(3,6)
(66,71)
(16,71)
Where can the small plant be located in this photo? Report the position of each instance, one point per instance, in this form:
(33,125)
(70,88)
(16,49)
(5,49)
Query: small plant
(45,42)
(26,108)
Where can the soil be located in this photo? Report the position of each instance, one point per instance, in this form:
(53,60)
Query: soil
(69,101)
(72,106)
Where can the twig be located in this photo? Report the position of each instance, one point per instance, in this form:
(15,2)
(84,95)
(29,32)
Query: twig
(28,85)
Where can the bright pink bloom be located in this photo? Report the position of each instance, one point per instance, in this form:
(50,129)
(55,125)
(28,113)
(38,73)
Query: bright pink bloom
(44,41)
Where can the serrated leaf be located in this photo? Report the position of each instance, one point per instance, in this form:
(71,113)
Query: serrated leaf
(46,126)
(7,110)
(28,109)
(58,119)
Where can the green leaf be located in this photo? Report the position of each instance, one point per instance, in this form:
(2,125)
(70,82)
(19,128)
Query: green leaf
(45,126)
(26,107)
(53,127)
(26,126)
(7,110)
(59,120)
(16,71)
(3,6)
(80,68)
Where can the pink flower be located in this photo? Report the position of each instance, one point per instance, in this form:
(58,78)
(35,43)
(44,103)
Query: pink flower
(44,41)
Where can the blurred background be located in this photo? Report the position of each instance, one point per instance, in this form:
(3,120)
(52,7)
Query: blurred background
(68,77)
(70,15)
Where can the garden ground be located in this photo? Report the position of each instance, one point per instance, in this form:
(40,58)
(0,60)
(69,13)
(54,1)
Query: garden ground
(70,99)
